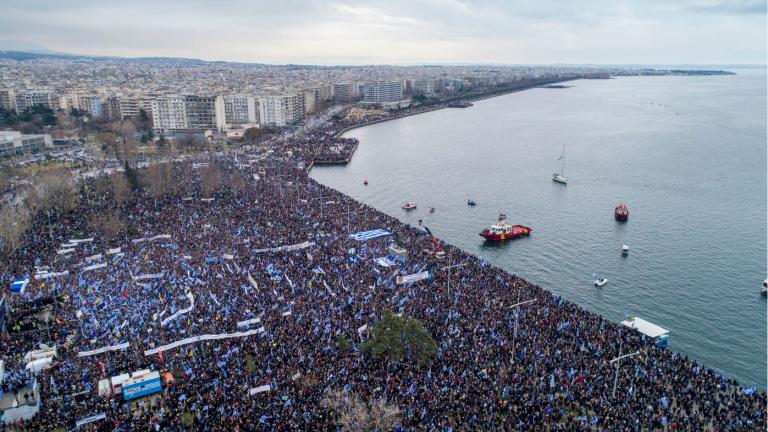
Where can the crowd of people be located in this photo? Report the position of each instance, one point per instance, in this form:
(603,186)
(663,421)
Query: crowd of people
(276,257)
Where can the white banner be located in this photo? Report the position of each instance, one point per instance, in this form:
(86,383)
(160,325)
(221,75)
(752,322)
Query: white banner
(147,276)
(402,280)
(65,251)
(182,311)
(259,389)
(94,267)
(91,419)
(247,323)
(253,282)
(287,248)
(117,347)
(194,339)
(51,275)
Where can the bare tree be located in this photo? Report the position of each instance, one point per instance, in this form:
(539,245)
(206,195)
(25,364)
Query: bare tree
(54,190)
(355,415)
(210,181)
(158,180)
(14,221)
(121,190)
(236,182)
(108,225)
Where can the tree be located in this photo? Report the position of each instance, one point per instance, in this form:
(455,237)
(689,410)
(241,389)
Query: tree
(236,182)
(158,179)
(54,190)
(121,189)
(132,175)
(107,225)
(210,181)
(108,141)
(400,338)
(14,221)
(353,414)
(251,135)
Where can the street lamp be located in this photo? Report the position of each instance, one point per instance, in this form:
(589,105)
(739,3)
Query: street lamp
(617,360)
(514,334)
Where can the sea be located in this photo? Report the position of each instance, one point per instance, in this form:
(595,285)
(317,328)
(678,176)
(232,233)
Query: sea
(686,154)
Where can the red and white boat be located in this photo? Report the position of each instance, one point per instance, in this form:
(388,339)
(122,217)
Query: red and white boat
(504,231)
(621,213)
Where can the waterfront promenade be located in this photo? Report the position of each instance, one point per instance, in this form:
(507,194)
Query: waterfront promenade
(202,258)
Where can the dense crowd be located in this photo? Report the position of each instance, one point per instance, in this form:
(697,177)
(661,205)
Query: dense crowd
(187,264)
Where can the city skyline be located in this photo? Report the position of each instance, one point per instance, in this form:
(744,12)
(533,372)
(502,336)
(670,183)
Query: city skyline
(423,32)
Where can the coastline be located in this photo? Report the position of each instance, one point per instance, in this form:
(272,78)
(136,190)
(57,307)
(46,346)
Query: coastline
(415,228)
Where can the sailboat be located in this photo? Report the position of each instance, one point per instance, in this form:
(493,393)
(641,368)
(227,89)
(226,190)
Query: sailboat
(559,177)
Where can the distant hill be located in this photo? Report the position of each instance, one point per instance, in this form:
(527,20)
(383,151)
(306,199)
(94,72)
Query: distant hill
(24,46)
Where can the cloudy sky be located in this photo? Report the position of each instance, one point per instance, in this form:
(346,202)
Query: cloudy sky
(399,31)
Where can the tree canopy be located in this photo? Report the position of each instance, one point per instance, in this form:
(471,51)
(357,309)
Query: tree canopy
(400,338)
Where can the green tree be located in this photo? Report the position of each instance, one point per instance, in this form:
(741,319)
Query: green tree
(132,175)
(400,338)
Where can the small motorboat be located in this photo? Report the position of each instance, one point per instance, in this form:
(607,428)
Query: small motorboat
(410,205)
(599,282)
(420,221)
(471,203)
(624,250)
(365,182)
(765,288)
(621,213)
(559,178)
(431,209)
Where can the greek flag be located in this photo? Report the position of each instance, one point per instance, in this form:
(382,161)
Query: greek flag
(368,235)
(19,285)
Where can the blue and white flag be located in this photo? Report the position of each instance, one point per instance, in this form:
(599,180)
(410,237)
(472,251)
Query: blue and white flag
(368,235)
(19,285)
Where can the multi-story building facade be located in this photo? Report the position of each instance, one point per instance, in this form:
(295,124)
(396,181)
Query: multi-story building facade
(91,105)
(281,110)
(169,114)
(382,91)
(7,99)
(14,142)
(343,92)
(236,111)
(425,87)
(27,99)
(201,112)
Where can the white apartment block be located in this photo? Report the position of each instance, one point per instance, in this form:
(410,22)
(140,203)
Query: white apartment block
(281,110)
(169,114)
(236,111)
(382,91)
(90,104)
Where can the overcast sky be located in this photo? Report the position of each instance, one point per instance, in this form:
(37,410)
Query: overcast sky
(399,31)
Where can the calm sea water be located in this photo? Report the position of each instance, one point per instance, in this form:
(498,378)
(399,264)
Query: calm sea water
(687,155)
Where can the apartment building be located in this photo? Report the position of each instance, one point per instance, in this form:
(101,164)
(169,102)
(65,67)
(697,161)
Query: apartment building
(381,91)
(27,99)
(281,110)
(236,111)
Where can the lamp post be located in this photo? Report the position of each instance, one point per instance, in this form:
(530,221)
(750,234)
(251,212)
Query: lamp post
(617,360)
(449,267)
(514,334)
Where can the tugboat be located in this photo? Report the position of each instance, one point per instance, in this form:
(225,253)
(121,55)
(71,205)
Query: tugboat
(410,205)
(621,213)
(503,231)
(471,203)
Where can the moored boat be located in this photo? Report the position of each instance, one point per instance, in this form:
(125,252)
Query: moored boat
(504,231)
(624,250)
(621,213)
(599,282)
(410,205)
(471,203)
